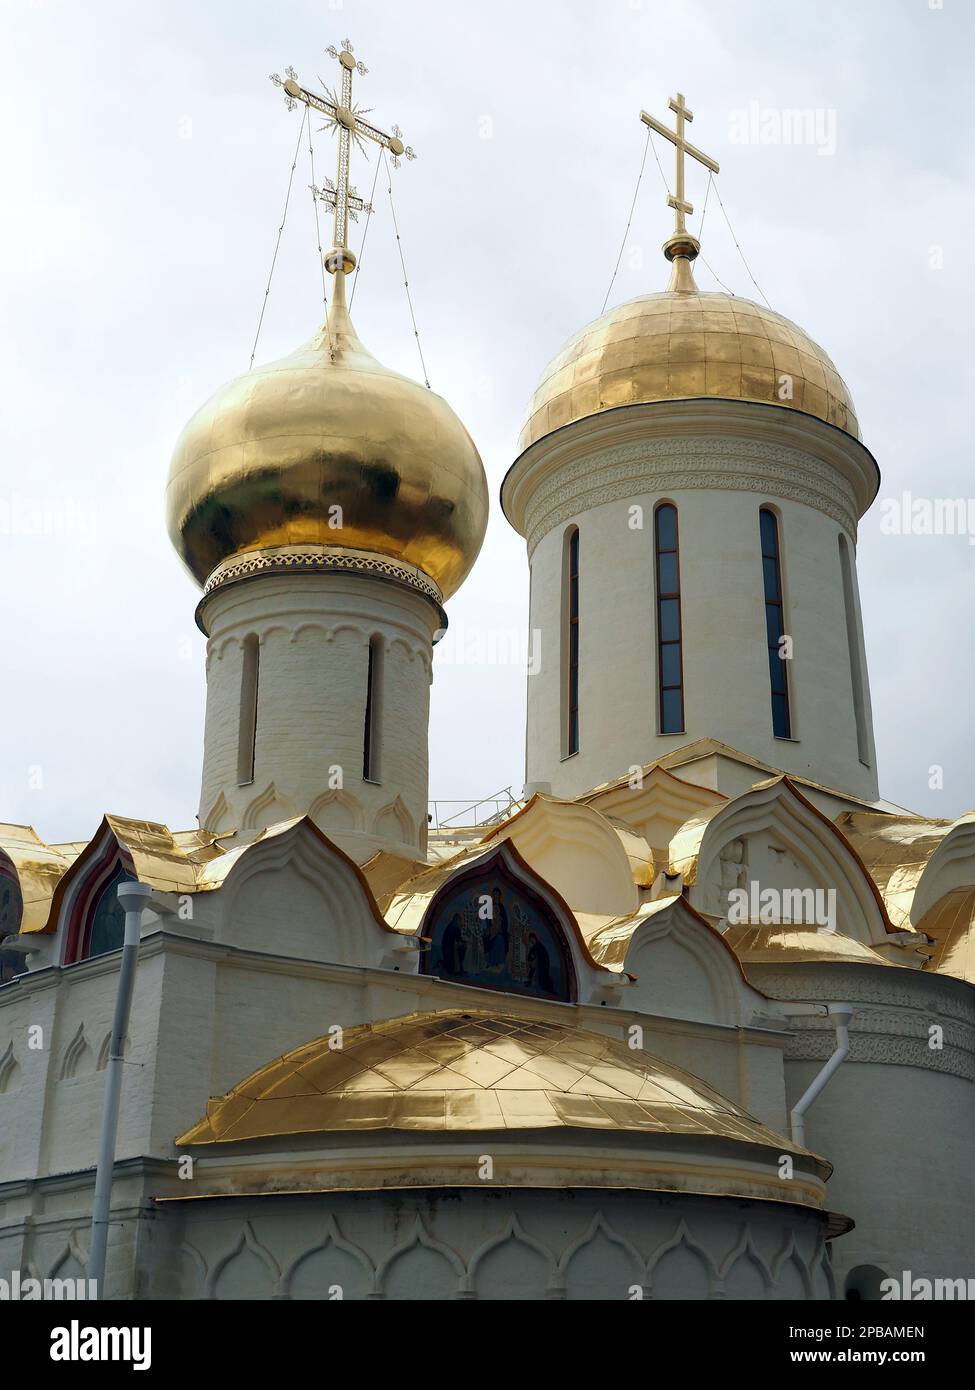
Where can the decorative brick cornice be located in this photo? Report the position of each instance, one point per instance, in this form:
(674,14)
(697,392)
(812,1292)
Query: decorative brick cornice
(317,560)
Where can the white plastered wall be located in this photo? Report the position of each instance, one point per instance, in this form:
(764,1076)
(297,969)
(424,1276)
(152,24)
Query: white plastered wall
(314,633)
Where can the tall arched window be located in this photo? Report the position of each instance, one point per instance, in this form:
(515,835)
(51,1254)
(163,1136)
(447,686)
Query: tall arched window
(106,925)
(853,643)
(570,644)
(247,728)
(670,656)
(96,919)
(775,624)
(372,733)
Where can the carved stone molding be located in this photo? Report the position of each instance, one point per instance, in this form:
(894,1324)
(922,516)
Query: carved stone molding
(940,999)
(677,464)
(891,1048)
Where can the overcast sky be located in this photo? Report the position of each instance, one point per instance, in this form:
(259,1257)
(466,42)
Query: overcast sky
(145,160)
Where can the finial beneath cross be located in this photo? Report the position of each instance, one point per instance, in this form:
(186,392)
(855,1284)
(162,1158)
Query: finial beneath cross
(349,121)
(681,243)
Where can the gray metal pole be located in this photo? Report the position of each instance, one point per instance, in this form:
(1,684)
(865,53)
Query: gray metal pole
(133,897)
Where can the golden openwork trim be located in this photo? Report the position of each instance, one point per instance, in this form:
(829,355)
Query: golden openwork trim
(315,560)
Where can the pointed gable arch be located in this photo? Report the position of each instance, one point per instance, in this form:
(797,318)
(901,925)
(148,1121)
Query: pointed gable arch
(496,924)
(681,967)
(579,853)
(773,838)
(132,849)
(85,906)
(657,806)
(950,867)
(295,891)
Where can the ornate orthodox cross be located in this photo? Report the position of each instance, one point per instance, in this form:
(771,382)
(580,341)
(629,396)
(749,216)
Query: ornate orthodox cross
(350,122)
(681,243)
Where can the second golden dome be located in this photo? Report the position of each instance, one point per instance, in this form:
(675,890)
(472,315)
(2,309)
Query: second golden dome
(683,345)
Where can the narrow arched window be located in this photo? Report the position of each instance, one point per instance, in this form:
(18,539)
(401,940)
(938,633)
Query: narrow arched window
(853,643)
(670,655)
(247,725)
(570,644)
(372,734)
(775,624)
(105,928)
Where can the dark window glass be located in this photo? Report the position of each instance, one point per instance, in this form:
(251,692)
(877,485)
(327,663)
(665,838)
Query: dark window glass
(666,528)
(107,930)
(775,624)
(780,716)
(670,673)
(670,620)
(667,574)
(671,711)
(372,732)
(572,664)
(770,566)
(776,668)
(670,665)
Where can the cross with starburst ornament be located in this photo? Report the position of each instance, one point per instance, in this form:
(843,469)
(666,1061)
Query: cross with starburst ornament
(349,120)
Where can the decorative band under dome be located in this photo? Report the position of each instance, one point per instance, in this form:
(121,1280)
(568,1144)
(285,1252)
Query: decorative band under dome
(297,559)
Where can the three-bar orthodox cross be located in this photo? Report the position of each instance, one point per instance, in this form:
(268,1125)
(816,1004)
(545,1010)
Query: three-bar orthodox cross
(350,122)
(681,243)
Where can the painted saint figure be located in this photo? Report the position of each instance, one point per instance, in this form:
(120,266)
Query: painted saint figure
(498,934)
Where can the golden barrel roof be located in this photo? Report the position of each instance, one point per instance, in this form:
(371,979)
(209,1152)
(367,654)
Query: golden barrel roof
(788,942)
(328,449)
(473,1070)
(684,345)
(951,926)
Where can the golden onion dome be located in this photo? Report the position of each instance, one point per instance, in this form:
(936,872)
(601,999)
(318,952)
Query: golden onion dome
(327,449)
(684,345)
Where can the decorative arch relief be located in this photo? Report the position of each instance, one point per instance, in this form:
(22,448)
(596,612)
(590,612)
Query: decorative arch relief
(9,1070)
(78,1059)
(267,809)
(592,1261)
(220,819)
(337,810)
(395,823)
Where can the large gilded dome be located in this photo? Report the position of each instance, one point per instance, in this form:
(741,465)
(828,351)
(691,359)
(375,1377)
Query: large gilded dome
(266,462)
(684,345)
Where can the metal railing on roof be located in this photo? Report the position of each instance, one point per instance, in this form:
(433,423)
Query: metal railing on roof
(446,815)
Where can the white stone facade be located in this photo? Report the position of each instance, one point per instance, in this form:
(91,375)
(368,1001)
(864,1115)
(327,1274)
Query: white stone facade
(313,634)
(718,463)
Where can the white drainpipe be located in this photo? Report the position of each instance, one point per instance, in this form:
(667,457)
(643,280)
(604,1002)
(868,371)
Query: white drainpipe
(841,1014)
(133,897)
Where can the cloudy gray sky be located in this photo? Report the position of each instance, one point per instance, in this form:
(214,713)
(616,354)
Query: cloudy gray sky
(145,159)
